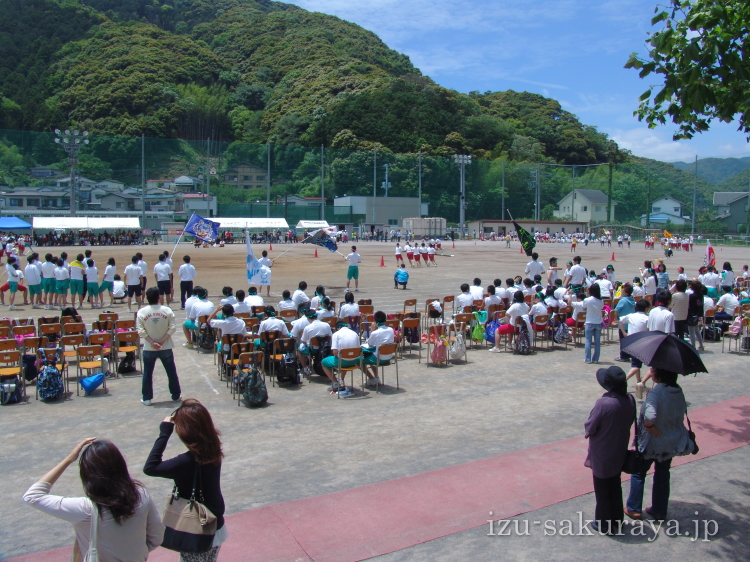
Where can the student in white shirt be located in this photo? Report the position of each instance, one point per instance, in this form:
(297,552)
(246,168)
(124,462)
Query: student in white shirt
(314,329)
(500,291)
(593,306)
(660,317)
(34,281)
(264,260)
(605,287)
(118,287)
(727,275)
(320,292)
(383,335)
(144,271)
(728,302)
(108,282)
(201,307)
(48,281)
(229,298)
(272,324)
(253,299)
(62,284)
(476,290)
(92,283)
(538,308)
(577,275)
(552,275)
(354,260)
(634,323)
(344,338)
(240,305)
(228,325)
(534,267)
(464,301)
(325,309)
(134,282)
(491,300)
(163,277)
(186,274)
(348,308)
(14,277)
(286,302)
(518,308)
(299,297)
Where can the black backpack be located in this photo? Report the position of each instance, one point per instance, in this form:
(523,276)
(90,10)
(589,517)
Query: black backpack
(127,363)
(206,338)
(321,353)
(10,390)
(522,344)
(286,369)
(253,389)
(30,369)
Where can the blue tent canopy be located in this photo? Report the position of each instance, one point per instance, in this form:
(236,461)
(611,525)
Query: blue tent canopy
(13,223)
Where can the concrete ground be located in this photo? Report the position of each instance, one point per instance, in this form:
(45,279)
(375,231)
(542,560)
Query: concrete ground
(306,443)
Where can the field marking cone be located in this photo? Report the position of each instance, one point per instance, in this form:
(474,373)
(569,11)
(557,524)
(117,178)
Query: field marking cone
(520,250)
(382,261)
(316,253)
(454,245)
(270,247)
(613,256)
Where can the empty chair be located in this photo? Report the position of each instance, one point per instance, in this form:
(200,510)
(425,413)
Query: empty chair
(89,359)
(411,336)
(108,317)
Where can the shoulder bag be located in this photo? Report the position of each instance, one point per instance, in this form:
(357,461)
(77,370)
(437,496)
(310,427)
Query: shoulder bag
(634,461)
(691,436)
(190,525)
(93,554)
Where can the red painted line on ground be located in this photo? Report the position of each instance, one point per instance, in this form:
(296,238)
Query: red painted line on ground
(357,524)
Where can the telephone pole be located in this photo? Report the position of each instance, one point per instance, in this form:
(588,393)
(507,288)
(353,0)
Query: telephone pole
(72,142)
(462,160)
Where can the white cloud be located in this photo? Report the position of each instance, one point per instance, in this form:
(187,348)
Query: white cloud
(648,143)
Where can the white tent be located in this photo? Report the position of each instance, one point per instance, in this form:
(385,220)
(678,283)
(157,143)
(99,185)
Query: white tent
(242,222)
(86,223)
(313,224)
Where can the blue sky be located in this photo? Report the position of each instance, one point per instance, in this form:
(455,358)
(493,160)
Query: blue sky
(570,50)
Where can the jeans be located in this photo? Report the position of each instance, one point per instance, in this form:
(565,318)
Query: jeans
(659,490)
(695,334)
(593,331)
(185,288)
(149,362)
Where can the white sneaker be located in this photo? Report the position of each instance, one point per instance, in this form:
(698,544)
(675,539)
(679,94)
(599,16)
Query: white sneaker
(145,402)
(374,381)
(12,307)
(494,350)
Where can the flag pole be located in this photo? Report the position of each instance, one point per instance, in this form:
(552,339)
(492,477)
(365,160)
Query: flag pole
(181,235)
(293,246)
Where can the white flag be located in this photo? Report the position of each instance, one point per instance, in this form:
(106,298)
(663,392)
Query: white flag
(257,273)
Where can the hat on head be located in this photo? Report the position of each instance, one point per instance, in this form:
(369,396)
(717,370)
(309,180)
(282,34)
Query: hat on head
(610,377)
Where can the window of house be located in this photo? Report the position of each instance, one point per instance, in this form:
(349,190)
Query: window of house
(32,202)
(247,186)
(392,222)
(118,205)
(657,209)
(171,203)
(260,178)
(16,202)
(597,208)
(247,178)
(676,209)
(585,208)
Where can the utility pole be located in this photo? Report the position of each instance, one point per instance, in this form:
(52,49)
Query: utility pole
(609,194)
(695,196)
(72,142)
(462,160)
(502,187)
(386,185)
(648,197)
(374,183)
(538,191)
(322,183)
(143,180)
(268,180)
(419,160)
(208,177)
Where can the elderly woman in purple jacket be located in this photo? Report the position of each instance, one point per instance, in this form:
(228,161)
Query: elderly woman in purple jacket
(608,432)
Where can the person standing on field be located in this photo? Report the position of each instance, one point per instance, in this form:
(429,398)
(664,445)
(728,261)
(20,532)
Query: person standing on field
(155,324)
(187,273)
(133,282)
(269,264)
(353,273)
(163,276)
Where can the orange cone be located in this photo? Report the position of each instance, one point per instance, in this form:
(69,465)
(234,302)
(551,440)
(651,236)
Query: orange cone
(382,261)
(316,253)
(520,250)
(454,245)
(613,256)
(270,247)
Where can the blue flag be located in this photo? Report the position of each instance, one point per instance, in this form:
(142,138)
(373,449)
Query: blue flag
(201,228)
(322,239)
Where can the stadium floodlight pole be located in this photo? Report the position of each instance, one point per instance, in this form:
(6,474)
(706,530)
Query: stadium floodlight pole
(419,159)
(462,160)
(322,183)
(143,181)
(268,180)
(695,196)
(385,184)
(72,142)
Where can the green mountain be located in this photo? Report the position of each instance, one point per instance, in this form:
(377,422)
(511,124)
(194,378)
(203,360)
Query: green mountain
(716,170)
(738,182)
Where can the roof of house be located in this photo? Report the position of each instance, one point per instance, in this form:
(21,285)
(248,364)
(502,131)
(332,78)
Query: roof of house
(195,196)
(233,167)
(593,195)
(727,197)
(35,193)
(669,198)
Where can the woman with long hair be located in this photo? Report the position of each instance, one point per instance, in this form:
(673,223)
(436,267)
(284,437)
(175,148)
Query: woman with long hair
(129,526)
(196,430)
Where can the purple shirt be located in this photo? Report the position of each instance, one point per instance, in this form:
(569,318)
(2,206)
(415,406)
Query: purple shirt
(608,432)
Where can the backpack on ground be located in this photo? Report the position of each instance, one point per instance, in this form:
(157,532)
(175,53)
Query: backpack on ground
(490,331)
(522,345)
(127,363)
(286,369)
(30,369)
(206,339)
(712,333)
(253,389)
(321,353)
(10,390)
(562,333)
(458,347)
(50,382)
(411,334)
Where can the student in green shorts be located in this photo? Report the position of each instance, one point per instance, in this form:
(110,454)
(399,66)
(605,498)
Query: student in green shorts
(14,276)
(34,280)
(48,281)
(62,284)
(77,280)
(92,284)
(354,260)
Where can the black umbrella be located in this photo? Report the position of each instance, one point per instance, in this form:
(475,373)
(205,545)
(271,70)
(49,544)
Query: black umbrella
(664,351)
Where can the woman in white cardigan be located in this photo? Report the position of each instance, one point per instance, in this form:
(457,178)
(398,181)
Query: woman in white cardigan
(129,526)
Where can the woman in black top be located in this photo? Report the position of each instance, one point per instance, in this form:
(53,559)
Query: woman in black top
(196,430)
(695,313)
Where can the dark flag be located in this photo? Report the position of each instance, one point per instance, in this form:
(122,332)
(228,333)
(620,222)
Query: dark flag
(526,239)
(322,239)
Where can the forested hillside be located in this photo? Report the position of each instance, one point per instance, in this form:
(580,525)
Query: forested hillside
(716,170)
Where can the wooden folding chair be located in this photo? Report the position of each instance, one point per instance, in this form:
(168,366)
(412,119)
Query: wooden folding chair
(72,328)
(5,332)
(410,324)
(352,354)
(227,342)
(105,341)
(88,358)
(245,364)
(5,323)
(31,346)
(464,323)
(232,359)
(541,328)
(437,332)
(288,314)
(47,355)
(279,347)
(48,320)
(103,326)
(384,349)
(449,299)
(251,325)
(25,331)
(125,324)
(52,332)
(366,302)
(579,333)
(127,342)
(109,317)
(242,315)
(259,311)
(12,367)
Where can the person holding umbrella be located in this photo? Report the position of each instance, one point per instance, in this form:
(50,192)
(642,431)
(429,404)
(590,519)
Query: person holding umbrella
(608,431)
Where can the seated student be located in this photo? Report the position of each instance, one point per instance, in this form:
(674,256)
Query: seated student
(229,324)
(320,292)
(728,303)
(252,298)
(549,298)
(518,308)
(383,335)
(401,277)
(118,287)
(510,290)
(286,302)
(228,297)
(349,308)
(241,305)
(575,301)
(201,307)
(638,290)
(190,299)
(314,329)
(325,309)
(528,287)
(476,290)
(344,338)
(301,300)
(464,301)
(605,286)
(561,292)
(273,324)
(500,291)
(492,300)
(538,308)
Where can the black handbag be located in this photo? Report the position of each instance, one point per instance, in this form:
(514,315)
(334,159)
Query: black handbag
(693,320)
(634,461)
(691,436)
